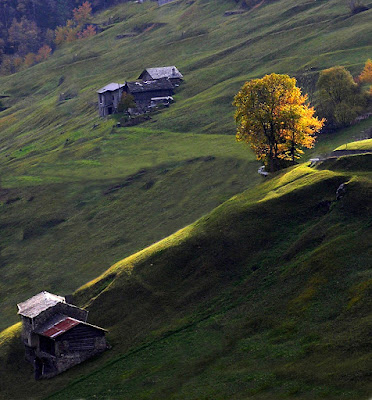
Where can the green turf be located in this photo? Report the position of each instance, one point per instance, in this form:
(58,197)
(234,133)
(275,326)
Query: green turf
(65,157)
(266,297)
(77,195)
(359,145)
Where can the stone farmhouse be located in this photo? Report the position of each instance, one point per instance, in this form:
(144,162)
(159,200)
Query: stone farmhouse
(56,334)
(155,86)
(108,98)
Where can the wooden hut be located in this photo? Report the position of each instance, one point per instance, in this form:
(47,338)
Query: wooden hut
(144,92)
(56,335)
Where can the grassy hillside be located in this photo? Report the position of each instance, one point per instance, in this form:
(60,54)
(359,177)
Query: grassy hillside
(266,297)
(58,159)
(77,195)
(215,53)
(359,145)
(56,236)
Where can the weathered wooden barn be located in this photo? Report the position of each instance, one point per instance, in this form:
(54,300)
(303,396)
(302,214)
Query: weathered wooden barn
(108,98)
(145,91)
(56,334)
(171,73)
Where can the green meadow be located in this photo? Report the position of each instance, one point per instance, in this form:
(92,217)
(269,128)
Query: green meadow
(265,297)
(266,294)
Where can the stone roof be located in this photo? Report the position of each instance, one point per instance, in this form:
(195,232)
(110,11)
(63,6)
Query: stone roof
(148,86)
(59,324)
(111,87)
(32,307)
(162,72)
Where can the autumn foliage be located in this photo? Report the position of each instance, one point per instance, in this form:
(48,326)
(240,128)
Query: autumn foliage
(366,74)
(29,44)
(273,117)
(83,13)
(76,28)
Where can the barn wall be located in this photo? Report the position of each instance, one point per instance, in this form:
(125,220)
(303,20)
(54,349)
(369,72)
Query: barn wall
(145,97)
(77,345)
(71,348)
(26,329)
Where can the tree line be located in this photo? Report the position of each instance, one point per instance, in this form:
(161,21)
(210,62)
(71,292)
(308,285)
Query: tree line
(31,29)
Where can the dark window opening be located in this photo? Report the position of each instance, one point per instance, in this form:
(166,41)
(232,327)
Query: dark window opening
(47,345)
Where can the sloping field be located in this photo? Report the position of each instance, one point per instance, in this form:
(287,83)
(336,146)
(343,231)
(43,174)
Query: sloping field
(215,53)
(59,227)
(266,297)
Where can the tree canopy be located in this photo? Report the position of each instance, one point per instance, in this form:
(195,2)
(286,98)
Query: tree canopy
(28,25)
(273,117)
(339,97)
(366,74)
(126,102)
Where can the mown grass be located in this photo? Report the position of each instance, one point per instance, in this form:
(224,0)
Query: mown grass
(118,153)
(257,42)
(59,235)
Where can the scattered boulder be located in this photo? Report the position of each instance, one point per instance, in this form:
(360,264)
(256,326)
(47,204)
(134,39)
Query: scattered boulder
(148,185)
(262,171)
(341,191)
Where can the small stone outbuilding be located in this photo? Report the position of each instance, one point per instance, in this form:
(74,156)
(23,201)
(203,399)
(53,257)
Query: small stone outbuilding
(56,335)
(109,98)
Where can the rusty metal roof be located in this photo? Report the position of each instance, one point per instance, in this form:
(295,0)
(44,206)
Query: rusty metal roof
(60,324)
(61,327)
(32,307)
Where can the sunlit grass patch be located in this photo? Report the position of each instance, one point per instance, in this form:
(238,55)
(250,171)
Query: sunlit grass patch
(8,334)
(359,145)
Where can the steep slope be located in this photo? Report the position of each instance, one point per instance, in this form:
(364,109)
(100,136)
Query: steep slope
(216,54)
(78,194)
(266,297)
(57,236)
(58,159)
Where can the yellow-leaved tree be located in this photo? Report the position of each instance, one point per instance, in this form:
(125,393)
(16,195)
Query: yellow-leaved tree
(366,75)
(273,117)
